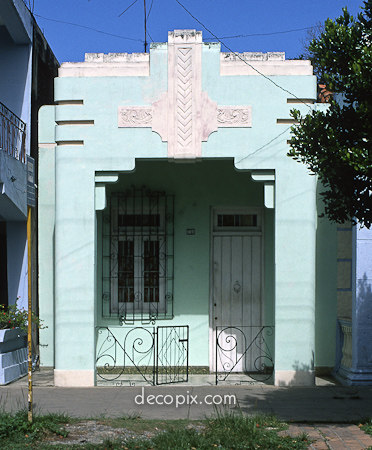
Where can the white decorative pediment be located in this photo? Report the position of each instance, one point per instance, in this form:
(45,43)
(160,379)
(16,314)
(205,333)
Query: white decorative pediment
(184,116)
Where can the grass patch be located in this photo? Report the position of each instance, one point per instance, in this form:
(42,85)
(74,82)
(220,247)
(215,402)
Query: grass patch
(17,432)
(226,431)
(138,425)
(367,427)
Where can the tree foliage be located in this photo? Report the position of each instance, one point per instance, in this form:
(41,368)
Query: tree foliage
(336,144)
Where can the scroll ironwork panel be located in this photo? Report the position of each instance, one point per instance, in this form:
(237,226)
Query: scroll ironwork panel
(128,360)
(244,350)
(150,355)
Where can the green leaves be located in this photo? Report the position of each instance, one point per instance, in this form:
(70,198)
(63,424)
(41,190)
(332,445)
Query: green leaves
(13,317)
(336,144)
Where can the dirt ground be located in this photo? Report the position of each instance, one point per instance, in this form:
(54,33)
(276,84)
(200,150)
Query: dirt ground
(323,436)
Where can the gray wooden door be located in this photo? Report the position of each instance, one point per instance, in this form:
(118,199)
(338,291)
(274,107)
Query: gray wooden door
(236,299)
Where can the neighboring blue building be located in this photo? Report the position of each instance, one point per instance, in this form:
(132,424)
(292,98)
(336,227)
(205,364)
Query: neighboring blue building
(27,69)
(16,36)
(354,331)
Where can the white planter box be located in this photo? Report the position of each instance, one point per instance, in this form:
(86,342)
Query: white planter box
(13,355)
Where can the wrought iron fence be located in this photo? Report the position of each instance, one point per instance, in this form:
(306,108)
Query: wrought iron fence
(244,350)
(135,355)
(150,355)
(12,134)
(172,355)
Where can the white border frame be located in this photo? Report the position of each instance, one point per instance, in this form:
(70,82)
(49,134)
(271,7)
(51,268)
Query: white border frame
(260,219)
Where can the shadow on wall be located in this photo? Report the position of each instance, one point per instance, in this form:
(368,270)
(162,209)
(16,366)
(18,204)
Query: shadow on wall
(302,375)
(364,323)
(364,303)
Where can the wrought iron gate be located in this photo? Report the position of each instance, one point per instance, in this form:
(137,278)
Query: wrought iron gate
(150,355)
(244,350)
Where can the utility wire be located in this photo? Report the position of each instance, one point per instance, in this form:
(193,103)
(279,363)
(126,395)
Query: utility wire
(89,28)
(214,37)
(145,18)
(149,35)
(148,14)
(263,34)
(242,59)
(125,10)
(30,5)
(263,146)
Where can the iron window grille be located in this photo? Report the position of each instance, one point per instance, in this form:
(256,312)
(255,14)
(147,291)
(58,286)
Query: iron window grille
(138,256)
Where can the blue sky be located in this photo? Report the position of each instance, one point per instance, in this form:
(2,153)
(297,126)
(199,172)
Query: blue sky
(222,17)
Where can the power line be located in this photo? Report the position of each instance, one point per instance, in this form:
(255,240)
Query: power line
(149,35)
(242,59)
(145,19)
(89,28)
(263,34)
(125,10)
(30,5)
(263,146)
(148,14)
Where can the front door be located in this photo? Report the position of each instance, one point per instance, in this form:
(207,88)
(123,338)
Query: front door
(236,294)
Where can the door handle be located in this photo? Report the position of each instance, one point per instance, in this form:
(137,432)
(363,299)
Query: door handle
(237,287)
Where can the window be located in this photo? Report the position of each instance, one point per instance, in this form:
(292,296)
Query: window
(236,220)
(137,275)
(138,272)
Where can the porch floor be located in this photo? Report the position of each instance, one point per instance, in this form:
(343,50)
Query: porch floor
(44,378)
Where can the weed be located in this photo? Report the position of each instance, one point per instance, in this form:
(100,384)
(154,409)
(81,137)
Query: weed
(225,431)
(366,426)
(15,428)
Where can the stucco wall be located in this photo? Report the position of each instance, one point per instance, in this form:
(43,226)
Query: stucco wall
(90,142)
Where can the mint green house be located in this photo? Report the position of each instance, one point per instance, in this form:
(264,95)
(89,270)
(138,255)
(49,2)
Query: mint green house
(174,231)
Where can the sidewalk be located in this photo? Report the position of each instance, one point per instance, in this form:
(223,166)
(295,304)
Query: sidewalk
(333,437)
(321,405)
(296,404)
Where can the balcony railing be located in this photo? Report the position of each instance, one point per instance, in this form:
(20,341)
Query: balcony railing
(347,343)
(12,134)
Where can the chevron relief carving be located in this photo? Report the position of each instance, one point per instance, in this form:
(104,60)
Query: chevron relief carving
(184,116)
(184,100)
